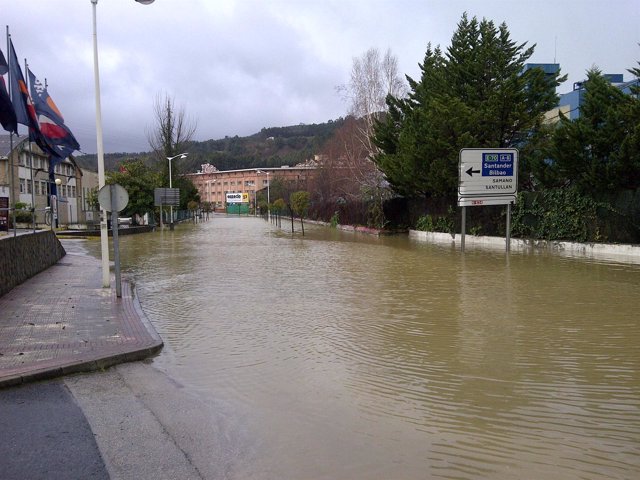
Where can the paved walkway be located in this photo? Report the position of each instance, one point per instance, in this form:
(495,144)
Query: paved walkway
(62,321)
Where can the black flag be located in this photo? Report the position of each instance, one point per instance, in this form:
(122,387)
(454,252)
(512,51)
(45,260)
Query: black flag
(7,113)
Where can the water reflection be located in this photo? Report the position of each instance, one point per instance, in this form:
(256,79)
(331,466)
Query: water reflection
(359,357)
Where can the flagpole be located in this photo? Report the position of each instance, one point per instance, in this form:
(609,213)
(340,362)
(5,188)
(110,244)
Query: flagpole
(33,187)
(104,235)
(11,179)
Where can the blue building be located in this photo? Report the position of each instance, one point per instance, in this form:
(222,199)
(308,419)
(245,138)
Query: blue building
(570,102)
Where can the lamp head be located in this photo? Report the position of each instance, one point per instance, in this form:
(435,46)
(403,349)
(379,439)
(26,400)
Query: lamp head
(58,182)
(145,2)
(181,155)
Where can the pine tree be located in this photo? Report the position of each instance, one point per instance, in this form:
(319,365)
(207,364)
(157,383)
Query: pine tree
(477,94)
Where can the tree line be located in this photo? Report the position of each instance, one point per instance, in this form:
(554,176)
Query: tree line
(478,93)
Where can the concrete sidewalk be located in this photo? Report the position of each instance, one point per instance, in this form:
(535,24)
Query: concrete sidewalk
(63,321)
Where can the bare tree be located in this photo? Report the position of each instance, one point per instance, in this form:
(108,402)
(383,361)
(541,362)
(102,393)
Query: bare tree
(373,77)
(172,129)
(345,169)
(351,150)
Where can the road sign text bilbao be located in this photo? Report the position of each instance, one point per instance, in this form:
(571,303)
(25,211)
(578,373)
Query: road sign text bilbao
(497,164)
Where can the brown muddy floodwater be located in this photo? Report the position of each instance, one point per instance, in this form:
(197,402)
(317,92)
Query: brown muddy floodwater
(352,357)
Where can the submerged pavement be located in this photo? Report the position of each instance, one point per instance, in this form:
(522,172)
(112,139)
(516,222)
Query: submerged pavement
(63,321)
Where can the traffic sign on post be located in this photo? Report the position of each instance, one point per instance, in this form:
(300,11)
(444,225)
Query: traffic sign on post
(487,176)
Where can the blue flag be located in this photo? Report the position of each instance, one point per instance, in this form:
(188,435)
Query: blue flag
(51,122)
(25,113)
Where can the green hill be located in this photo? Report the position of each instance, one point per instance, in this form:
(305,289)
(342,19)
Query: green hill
(271,147)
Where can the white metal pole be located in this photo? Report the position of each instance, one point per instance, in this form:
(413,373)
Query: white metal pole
(104,235)
(170,206)
(12,192)
(463,229)
(268,198)
(508,239)
(33,187)
(116,247)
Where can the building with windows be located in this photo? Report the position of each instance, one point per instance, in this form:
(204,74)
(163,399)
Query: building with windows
(213,185)
(24,178)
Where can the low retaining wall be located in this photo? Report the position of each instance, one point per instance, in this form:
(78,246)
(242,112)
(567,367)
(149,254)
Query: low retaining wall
(96,233)
(351,228)
(23,256)
(605,251)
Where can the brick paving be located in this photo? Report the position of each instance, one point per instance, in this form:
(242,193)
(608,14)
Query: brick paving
(63,321)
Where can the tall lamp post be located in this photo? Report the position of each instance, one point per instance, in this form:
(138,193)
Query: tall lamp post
(268,193)
(209,182)
(181,155)
(54,205)
(104,235)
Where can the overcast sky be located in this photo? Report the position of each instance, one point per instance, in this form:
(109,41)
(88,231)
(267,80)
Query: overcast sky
(238,66)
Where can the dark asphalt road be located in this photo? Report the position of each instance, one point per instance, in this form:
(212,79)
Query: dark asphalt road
(45,435)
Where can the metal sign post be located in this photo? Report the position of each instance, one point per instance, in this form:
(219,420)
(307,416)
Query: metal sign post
(463,229)
(114,198)
(166,196)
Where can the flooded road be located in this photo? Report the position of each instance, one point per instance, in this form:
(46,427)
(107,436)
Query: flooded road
(348,356)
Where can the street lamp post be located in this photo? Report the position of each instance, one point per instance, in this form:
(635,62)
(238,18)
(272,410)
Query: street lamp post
(209,183)
(181,155)
(104,235)
(54,205)
(268,193)
(268,198)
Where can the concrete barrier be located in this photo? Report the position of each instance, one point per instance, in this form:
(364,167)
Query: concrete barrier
(23,256)
(622,253)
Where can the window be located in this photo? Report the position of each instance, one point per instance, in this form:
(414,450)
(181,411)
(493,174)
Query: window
(73,191)
(23,185)
(37,185)
(29,190)
(43,187)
